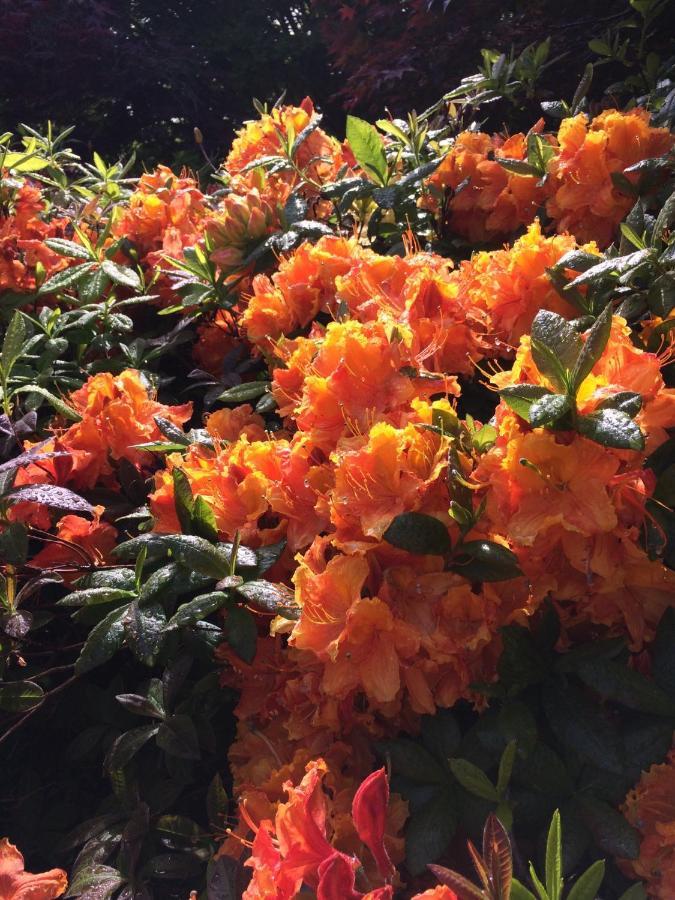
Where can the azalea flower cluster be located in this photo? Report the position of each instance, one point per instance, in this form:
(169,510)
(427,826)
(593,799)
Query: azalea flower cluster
(370,359)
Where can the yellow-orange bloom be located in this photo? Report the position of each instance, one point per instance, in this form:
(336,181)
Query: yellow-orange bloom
(583,199)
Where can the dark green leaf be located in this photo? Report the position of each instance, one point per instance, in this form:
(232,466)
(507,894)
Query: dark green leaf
(127,745)
(521,397)
(429,831)
(419,533)
(625,401)
(217,801)
(59,405)
(203,520)
(104,640)
(144,630)
(18,696)
(192,551)
(486,561)
(593,347)
(95,882)
(555,346)
(248,390)
(581,726)
(177,736)
(548,409)
(51,495)
(196,609)
(14,544)
(612,428)
(411,760)
(617,682)
(609,828)
(270,598)
(241,633)
(663,653)
(93,596)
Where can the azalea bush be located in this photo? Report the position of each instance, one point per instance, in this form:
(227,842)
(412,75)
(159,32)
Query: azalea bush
(336,517)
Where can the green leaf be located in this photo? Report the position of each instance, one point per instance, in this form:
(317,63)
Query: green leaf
(429,831)
(65,279)
(271,598)
(59,405)
(241,633)
(610,830)
(617,682)
(203,520)
(506,762)
(555,346)
(92,286)
(19,696)
(217,801)
(95,881)
(182,494)
(193,552)
(587,885)
(612,428)
(486,561)
(104,640)
(635,892)
(419,533)
(50,495)
(518,166)
(665,218)
(554,881)
(177,736)
(613,267)
(521,397)
(473,779)
(144,629)
(93,596)
(520,892)
(593,347)
(127,745)
(625,401)
(368,149)
(549,409)
(248,390)
(12,345)
(121,275)
(582,88)
(186,830)
(196,609)
(68,248)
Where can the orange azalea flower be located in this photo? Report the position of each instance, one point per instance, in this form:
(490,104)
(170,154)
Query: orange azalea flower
(302,286)
(583,199)
(117,412)
(164,215)
(318,156)
(512,285)
(376,479)
(95,539)
(489,201)
(562,484)
(650,807)
(229,424)
(353,380)
(17,884)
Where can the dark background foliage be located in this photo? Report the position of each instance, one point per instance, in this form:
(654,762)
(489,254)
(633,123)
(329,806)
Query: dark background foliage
(143,73)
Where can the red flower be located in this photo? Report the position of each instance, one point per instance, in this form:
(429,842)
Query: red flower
(369,810)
